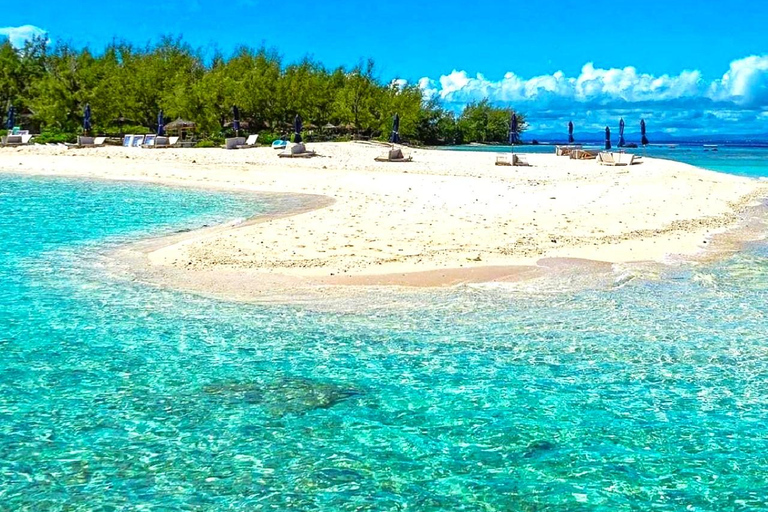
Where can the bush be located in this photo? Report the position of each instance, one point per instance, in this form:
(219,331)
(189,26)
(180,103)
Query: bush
(55,136)
(267,138)
(206,144)
(134,130)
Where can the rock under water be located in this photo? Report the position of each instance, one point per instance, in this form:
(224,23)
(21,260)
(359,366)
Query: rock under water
(288,395)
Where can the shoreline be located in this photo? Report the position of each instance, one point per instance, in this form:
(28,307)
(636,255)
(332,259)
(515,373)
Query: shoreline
(448,217)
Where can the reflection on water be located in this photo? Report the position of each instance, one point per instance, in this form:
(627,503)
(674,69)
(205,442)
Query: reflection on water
(649,394)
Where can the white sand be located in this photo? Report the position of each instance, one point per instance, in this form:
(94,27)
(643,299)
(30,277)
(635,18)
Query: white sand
(443,212)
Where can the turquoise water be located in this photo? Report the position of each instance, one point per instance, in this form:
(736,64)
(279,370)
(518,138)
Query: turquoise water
(733,159)
(117,396)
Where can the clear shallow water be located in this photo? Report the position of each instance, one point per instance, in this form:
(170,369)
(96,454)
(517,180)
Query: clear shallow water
(115,396)
(733,159)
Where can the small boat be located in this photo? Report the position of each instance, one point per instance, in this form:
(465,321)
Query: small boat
(279,144)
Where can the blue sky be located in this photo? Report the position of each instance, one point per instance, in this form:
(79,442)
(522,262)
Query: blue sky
(688,67)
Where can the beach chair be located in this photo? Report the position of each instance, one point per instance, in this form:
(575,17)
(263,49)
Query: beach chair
(519,161)
(161,142)
(250,142)
(605,158)
(503,160)
(580,154)
(13,140)
(149,141)
(296,151)
(394,155)
(234,142)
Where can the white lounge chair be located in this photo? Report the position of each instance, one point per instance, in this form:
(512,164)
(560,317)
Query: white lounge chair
(234,142)
(13,140)
(566,150)
(609,158)
(296,151)
(394,155)
(512,160)
(250,142)
(89,142)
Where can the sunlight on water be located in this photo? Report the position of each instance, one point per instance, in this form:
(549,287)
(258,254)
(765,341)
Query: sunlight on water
(648,395)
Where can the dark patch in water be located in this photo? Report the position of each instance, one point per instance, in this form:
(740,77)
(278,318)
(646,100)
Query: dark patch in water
(538,448)
(283,396)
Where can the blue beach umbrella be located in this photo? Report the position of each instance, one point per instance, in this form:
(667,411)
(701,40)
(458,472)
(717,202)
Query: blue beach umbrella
(513,137)
(297,129)
(236,119)
(570,132)
(644,139)
(87,118)
(160,123)
(9,122)
(394,137)
(607,138)
(622,143)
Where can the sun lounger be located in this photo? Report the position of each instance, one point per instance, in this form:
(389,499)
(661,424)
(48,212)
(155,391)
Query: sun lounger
(234,142)
(250,142)
(566,150)
(89,142)
(512,160)
(394,155)
(605,158)
(519,161)
(609,158)
(13,140)
(581,154)
(296,151)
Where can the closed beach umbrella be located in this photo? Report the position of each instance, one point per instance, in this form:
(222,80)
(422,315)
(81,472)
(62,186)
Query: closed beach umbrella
(236,119)
(513,138)
(570,132)
(607,138)
(9,122)
(297,129)
(644,139)
(87,118)
(621,133)
(160,123)
(394,137)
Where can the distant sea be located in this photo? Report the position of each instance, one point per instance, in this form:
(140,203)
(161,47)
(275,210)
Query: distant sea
(650,393)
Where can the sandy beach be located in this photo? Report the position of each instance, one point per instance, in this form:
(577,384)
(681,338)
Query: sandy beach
(442,219)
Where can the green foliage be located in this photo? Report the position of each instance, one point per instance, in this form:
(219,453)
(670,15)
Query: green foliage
(114,129)
(51,86)
(482,122)
(56,136)
(267,138)
(206,144)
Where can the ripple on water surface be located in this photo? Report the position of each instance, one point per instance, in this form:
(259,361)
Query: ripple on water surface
(114,395)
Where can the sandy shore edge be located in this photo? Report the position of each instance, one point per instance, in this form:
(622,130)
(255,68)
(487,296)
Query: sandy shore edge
(449,219)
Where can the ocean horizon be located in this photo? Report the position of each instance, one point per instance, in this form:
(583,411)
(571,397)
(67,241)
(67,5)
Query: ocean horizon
(645,391)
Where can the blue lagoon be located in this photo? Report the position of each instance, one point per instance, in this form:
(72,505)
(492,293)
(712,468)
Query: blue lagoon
(649,393)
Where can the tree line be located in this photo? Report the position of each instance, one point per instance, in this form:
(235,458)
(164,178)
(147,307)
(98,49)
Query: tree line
(127,85)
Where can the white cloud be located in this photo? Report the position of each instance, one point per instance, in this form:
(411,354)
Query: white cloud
(598,96)
(593,85)
(745,83)
(19,35)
